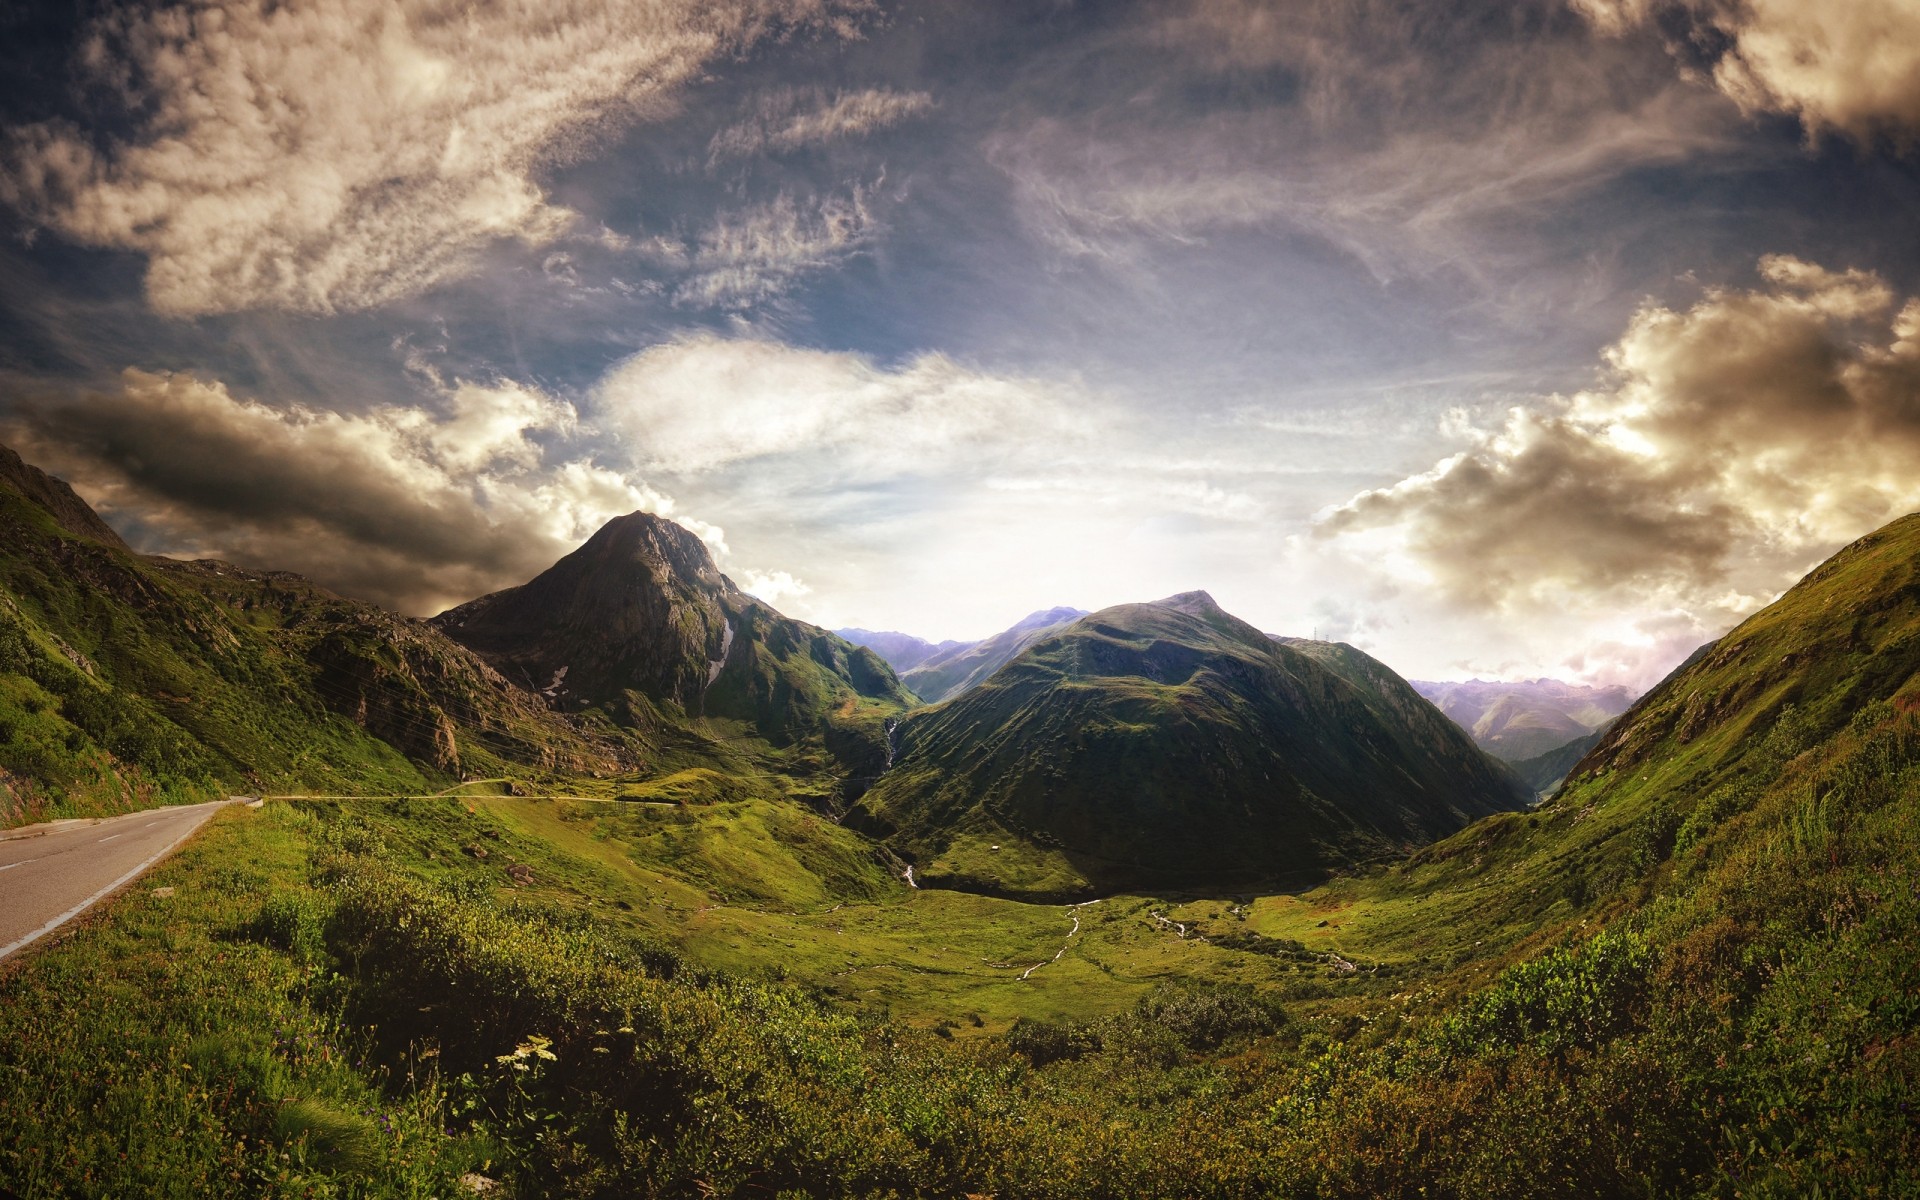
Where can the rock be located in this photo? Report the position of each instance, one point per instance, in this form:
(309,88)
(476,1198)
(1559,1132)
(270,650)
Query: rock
(479,1184)
(521,874)
(477,851)
(163,892)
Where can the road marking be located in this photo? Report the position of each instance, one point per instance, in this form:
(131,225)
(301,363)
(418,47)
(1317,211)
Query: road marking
(151,824)
(23,862)
(90,901)
(109,837)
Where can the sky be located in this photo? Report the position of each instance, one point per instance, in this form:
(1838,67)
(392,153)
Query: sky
(1500,338)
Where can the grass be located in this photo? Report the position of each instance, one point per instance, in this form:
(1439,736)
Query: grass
(1692,973)
(168,1048)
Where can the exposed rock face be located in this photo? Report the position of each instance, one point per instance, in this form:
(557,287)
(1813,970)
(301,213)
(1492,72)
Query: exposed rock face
(641,608)
(59,500)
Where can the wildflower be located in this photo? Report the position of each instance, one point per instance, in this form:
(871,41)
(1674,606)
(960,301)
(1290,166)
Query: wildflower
(534,1047)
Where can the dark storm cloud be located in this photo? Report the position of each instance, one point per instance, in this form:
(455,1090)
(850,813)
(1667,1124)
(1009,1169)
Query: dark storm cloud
(410,507)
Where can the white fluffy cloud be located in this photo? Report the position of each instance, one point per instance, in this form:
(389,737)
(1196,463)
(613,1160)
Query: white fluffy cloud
(342,153)
(1735,443)
(414,507)
(702,402)
(1846,65)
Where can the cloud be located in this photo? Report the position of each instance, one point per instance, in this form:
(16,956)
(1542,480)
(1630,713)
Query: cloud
(789,119)
(341,154)
(413,507)
(1410,137)
(752,256)
(1851,67)
(702,403)
(1735,444)
(772,586)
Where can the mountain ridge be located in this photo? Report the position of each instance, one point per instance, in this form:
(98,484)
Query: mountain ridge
(1153,744)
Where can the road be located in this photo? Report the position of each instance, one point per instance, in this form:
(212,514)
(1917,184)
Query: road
(49,879)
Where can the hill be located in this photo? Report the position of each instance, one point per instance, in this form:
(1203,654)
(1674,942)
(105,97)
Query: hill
(1691,973)
(1171,744)
(965,665)
(640,624)
(1526,718)
(1544,772)
(127,680)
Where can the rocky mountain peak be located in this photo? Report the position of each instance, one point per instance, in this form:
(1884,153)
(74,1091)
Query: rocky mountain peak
(73,514)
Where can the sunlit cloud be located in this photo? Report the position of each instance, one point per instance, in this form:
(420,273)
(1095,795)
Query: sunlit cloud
(789,119)
(343,154)
(1735,443)
(1852,67)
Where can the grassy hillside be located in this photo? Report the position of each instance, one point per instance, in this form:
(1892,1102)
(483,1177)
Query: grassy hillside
(1170,744)
(127,681)
(1692,973)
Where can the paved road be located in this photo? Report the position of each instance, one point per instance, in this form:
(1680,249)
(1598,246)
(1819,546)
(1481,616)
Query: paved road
(47,880)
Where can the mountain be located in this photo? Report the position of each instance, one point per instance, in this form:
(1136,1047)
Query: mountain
(1172,744)
(1523,719)
(1839,647)
(952,671)
(1544,772)
(127,679)
(903,651)
(639,623)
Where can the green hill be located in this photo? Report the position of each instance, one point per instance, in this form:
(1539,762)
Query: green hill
(1169,744)
(127,680)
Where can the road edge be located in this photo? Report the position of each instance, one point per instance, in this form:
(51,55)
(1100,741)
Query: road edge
(19,944)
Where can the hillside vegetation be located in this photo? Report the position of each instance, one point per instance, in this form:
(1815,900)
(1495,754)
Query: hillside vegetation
(1693,972)
(127,681)
(1171,744)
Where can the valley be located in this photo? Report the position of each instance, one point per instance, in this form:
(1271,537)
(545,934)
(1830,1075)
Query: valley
(711,903)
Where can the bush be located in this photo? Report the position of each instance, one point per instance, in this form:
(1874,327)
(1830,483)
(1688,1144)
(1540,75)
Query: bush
(1042,1042)
(1205,1018)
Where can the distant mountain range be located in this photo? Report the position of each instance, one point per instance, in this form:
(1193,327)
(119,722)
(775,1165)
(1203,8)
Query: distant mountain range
(937,673)
(1170,744)
(1526,719)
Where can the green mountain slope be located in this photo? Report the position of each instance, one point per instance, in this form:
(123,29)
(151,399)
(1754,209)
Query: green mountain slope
(640,624)
(946,674)
(1168,744)
(127,680)
(1544,772)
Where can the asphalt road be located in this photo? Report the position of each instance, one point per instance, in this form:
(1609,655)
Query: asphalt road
(49,879)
